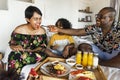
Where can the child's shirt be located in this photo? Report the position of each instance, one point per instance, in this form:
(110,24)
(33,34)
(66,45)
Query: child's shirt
(60,40)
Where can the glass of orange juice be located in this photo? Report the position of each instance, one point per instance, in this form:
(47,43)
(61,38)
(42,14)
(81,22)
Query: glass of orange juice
(90,59)
(78,57)
(85,59)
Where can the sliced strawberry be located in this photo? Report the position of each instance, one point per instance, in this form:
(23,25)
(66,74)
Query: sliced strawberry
(33,72)
(83,78)
(77,72)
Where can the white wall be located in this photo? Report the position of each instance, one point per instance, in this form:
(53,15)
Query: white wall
(9,19)
(51,9)
(54,9)
(96,5)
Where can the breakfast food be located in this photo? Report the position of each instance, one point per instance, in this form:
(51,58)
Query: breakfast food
(75,72)
(33,73)
(83,78)
(56,68)
(81,75)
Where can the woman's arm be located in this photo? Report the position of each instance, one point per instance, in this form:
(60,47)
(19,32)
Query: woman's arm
(49,53)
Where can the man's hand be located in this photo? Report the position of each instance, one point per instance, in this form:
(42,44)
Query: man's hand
(53,28)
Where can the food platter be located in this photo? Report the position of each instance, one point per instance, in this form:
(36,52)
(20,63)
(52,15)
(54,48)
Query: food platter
(40,69)
(45,71)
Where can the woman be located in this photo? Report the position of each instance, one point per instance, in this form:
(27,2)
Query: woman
(28,41)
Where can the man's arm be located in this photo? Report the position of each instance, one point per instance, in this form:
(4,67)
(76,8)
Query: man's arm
(73,32)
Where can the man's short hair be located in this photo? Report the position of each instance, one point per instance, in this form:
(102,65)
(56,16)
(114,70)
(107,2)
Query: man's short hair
(107,9)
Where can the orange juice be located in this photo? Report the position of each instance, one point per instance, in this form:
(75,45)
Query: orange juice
(85,59)
(90,59)
(78,57)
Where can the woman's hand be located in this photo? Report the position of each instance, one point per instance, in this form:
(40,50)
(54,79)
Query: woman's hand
(17,48)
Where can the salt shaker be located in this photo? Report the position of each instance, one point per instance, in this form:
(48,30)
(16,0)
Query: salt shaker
(95,60)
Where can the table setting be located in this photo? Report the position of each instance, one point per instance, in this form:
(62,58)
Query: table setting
(67,69)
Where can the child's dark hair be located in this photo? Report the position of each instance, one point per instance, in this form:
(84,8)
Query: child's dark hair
(64,23)
(11,74)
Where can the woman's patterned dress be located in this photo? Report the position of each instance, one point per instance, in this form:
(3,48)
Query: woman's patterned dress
(19,59)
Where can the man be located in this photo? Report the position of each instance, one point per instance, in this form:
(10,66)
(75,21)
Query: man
(105,34)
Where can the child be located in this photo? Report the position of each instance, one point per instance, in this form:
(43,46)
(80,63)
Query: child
(62,44)
(10,74)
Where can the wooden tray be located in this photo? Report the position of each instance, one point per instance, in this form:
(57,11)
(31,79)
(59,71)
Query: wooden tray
(98,72)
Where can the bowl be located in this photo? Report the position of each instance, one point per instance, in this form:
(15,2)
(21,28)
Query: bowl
(71,62)
(79,66)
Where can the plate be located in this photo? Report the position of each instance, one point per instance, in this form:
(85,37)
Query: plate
(81,74)
(46,72)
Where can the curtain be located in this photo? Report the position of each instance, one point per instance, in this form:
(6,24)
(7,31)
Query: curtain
(116,4)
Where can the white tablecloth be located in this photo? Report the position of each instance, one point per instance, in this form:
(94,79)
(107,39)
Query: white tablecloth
(111,73)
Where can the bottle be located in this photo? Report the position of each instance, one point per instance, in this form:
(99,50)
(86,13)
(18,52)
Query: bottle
(90,60)
(78,57)
(95,60)
(85,59)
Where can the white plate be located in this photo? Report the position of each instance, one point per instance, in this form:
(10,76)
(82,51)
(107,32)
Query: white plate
(46,72)
(88,74)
